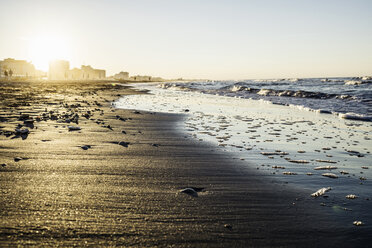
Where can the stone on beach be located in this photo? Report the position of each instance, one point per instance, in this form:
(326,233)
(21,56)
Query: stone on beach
(289,173)
(73,128)
(351,196)
(320,192)
(85,147)
(330,175)
(123,143)
(358,223)
(190,191)
(22,131)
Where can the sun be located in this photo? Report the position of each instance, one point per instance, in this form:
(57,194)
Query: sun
(43,49)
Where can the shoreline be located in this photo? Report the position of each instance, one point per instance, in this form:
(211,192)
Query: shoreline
(110,194)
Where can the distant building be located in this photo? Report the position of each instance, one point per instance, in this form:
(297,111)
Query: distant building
(157,79)
(17,68)
(75,74)
(123,75)
(90,73)
(86,73)
(140,78)
(58,70)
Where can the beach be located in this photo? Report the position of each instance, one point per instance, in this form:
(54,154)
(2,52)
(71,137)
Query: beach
(85,173)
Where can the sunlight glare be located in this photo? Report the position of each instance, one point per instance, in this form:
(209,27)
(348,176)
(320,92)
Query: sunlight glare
(43,49)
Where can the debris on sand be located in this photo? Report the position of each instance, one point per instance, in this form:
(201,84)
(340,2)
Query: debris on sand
(22,131)
(358,223)
(325,167)
(86,147)
(123,143)
(190,191)
(320,192)
(289,173)
(16,159)
(351,197)
(228,226)
(274,153)
(73,128)
(330,175)
(325,161)
(299,161)
(278,167)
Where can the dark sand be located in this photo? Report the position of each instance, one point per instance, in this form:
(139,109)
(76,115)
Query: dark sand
(111,195)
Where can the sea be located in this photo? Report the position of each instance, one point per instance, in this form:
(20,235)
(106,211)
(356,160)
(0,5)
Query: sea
(311,134)
(351,96)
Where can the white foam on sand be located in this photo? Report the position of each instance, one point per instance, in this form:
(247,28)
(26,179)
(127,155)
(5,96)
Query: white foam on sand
(270,136)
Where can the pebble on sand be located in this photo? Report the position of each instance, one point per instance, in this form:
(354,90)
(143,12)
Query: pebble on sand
(320,192)
(16,159)
(358,223)
(22,131)
(85,147)
(123,143)
(330,175)
(73,128)
(351,197)
(289,173)
(190,191)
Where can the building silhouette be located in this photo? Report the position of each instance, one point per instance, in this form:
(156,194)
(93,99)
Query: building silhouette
(60,70)
(18,68)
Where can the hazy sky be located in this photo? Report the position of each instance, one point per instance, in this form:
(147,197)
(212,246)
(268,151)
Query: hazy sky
(215,39)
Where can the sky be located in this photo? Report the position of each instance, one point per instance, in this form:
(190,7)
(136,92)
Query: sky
(199,39)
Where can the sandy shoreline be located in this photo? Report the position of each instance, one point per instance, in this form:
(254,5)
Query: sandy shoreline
(110,194)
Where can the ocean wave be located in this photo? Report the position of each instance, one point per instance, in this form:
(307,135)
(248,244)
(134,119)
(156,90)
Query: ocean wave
(353,116)
(289,93)
(358,82)
(321,95)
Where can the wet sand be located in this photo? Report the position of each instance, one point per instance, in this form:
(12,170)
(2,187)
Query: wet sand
(102,186)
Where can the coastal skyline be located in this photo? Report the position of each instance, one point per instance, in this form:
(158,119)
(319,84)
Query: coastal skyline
(193,39)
